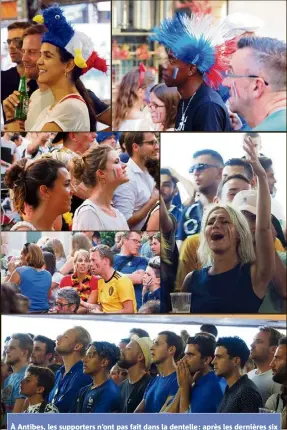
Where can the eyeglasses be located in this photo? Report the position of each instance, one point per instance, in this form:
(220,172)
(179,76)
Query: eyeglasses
(18,42)
(154,106)
(136,241)
(231,75)
(200,167)
(62,305)
(151,142)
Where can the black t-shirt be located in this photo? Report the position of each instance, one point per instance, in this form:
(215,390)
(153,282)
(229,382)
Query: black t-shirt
(10,82)
(241,397)
(206,112)
(132,394)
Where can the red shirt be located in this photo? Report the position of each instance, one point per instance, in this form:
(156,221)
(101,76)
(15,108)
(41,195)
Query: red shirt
(84,288)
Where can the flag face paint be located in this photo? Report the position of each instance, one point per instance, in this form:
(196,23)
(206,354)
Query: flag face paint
(174,73)
(115,173)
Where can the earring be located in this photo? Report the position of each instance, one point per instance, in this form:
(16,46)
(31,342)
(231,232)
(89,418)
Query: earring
(190,73)
(66,74)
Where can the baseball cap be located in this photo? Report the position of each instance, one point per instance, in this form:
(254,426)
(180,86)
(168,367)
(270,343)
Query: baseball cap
(246,200)
(145,344)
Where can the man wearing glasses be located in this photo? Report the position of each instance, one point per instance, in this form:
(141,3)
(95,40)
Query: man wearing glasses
(139,196)
(206,169)
(10,78)
(257,83)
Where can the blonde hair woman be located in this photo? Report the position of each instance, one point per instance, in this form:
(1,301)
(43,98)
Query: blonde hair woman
(78,241)
(101,170)
(235,277)
(83,281)
(59,251)
(129,112)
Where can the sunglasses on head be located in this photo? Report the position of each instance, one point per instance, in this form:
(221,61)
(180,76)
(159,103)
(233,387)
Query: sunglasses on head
(201,166)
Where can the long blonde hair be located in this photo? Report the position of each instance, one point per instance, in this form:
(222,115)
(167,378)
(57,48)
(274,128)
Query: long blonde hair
(245,248)
(127,94)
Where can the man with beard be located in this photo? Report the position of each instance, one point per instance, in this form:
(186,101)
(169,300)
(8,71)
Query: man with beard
(263,348)
(168,190)
(241,394)
(18,353)
(69,379)
(136,358)
(278,365)
(138,197)
(206,169)
(167,348)
(102,395)
(43,351)
(200,390)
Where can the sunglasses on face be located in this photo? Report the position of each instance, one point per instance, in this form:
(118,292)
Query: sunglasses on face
(200,167)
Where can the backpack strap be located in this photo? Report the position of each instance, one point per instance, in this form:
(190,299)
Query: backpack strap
(42,407)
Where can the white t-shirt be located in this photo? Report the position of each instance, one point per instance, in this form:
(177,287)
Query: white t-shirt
(265,384)
(142,124)
(39,101)
(132,196)
(88,216)
(50,408)
(71,114)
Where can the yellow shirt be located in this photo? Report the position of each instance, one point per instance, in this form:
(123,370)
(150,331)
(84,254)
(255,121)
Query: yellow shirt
(114,292)
(189,261)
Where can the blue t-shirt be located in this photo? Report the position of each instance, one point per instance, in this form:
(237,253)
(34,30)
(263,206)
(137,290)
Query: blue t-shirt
(35,284)
(158,391)
(274,122)
(128,265)
(151,295)
(66,389)
(176,211)
(103,399)
(190,221)
(207,394)
(11,387)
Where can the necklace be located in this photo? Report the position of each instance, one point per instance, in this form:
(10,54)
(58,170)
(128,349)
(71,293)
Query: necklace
(183,117)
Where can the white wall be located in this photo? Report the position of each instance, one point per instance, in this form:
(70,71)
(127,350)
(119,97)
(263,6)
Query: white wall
(273,13)
(15,241)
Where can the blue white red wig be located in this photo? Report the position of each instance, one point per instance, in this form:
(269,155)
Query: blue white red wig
(199,40)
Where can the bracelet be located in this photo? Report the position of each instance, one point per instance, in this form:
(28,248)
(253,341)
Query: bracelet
(9,121)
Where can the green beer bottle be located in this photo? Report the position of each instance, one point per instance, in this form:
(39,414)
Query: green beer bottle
(22,108)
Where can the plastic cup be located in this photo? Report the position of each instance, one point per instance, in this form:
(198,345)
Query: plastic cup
(180,303)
